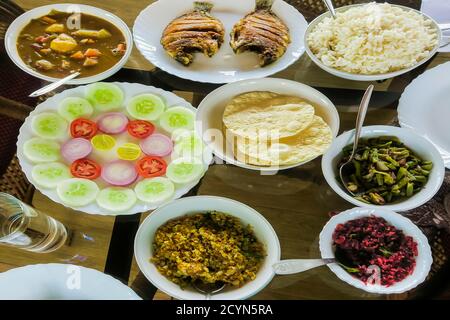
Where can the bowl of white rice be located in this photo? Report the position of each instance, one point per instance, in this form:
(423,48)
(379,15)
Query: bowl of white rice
(372,41)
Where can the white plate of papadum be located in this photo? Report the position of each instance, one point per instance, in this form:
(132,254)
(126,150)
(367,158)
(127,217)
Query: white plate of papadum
(267,124)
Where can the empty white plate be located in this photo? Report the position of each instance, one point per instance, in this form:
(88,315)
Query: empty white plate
(61,282)
(425,108)
(224,66)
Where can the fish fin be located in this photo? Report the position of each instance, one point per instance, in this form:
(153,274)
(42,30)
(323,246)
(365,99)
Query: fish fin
(203,6)
(263,4)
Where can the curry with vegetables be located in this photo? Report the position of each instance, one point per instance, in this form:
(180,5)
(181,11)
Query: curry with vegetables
(50,46)
(385,170)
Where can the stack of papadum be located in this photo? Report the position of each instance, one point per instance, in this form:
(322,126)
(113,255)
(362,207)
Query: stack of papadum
(269,129)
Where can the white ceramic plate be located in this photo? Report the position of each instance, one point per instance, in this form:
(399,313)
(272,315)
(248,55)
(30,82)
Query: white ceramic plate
(61,282)
(261,227)
(210,114)
(422,147)
(224,66)
(130,90)
(423,260)
(366,77)
(19,23)
(424,107)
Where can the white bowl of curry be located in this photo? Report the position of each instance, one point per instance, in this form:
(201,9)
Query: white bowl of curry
(53,41)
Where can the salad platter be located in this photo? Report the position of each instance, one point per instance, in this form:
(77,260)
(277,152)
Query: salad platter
(112,148)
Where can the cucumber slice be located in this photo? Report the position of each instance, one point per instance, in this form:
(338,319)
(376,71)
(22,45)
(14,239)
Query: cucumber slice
(77,192)
(41,150)
(177,118)
(116,199)
(72,108)
(49,125)
(146,107)
(189,145)
(185,170)
(154,190)
(104,96)
(48,175)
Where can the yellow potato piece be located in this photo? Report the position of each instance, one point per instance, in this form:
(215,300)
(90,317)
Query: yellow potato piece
(103,34)
(63,43)
(55,28)
(96,34)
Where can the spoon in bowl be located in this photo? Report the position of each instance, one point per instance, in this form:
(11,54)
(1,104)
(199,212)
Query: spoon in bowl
(330,7)
(54,85)
(292,266)
(362,111)
(208,289)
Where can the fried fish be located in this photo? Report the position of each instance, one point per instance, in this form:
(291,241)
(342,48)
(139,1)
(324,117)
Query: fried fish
(262,32)
(196,31)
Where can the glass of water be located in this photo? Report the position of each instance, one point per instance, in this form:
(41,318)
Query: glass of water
(24,227)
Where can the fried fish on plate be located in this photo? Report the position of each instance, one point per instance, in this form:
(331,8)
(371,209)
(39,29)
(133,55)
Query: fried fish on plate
(196,31)
(262,32)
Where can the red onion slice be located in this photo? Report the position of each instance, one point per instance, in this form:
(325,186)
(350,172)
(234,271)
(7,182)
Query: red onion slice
(157,145)
(75,149)
(119,173)
(113,122)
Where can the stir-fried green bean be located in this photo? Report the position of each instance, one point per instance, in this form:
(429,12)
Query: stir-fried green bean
(385,170)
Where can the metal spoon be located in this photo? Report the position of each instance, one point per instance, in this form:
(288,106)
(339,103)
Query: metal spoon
(54,85)
(330,7)
(359,123)
(208,289)
(292,266)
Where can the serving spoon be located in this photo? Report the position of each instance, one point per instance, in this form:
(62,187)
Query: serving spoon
(54,85)
(330,7)
(292,266)
(362,111)
(208,289)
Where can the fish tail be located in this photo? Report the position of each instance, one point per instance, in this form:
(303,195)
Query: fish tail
(203,6)
(264,4)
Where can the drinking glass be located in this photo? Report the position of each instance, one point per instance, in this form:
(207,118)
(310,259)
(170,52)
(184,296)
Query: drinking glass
(24,227)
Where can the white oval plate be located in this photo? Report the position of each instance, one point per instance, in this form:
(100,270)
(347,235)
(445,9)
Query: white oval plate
(424,258)
(424,107)
(224,66)
(61,282)
(19,23)
(130,90)
(263,230)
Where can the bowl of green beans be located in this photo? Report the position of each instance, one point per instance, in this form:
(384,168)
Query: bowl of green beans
(393,167)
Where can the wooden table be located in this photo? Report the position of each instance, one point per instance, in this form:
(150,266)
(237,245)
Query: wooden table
(296,202)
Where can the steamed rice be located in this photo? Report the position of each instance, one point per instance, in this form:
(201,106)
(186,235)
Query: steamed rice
(373,39)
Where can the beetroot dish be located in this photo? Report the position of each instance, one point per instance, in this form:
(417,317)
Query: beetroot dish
(374,251)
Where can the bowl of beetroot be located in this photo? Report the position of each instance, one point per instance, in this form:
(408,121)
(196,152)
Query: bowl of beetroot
(376,250)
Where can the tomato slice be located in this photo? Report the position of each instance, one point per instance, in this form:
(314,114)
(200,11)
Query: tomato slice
(83,128)
(85,168)
(149,167)
(140,128)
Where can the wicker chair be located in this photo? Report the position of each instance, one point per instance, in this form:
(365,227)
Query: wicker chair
(12,179)
(12,113)
(313,8)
